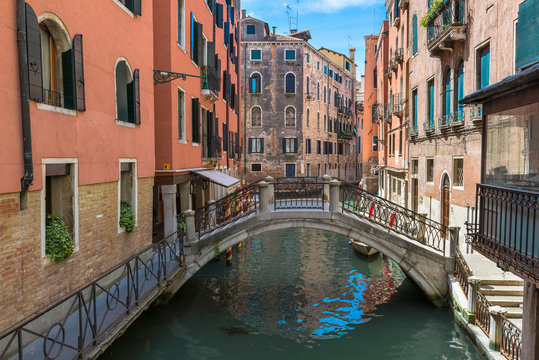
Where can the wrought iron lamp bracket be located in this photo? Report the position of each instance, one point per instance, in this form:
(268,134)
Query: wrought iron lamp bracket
(163,76)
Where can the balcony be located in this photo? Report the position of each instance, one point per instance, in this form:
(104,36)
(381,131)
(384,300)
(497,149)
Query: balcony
(476,114)
(345,135)
(214,147)
(211,83)
(397,105)
(443,122)
(399,55)
(343,110)
(505,229)
(457,118)
(412,132)
(446,24)
(428,127)
(404,4)
(374,112)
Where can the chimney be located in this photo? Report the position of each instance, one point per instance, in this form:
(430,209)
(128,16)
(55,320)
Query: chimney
(243,14)
(274,27)
(353,54)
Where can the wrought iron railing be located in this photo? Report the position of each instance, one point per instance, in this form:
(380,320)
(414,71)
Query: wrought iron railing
(511,343)
(443,122)
(482,315)
(387,72)
(476,113)
(428,126)
(399,54)
(299,195)
(393,217)
(230,208)
(71,326)
(451,13)
(397,104)
(53,98)
(456,118)
(412,131)
(508,228)
(462,271)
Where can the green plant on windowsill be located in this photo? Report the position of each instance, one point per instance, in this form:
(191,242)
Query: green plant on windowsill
(289,94)
(58,240)
(257,94)
(127,217)
(431,13)
(290,62)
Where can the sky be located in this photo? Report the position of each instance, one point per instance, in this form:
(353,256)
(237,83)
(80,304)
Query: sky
(334,24)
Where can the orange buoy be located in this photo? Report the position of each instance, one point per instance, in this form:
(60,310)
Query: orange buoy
(371,210)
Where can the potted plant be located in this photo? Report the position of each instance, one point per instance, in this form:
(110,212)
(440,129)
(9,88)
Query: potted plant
(127,217)
(431,12)
(58,240)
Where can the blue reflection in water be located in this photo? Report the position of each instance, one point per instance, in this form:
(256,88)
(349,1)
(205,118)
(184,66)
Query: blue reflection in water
(341,319)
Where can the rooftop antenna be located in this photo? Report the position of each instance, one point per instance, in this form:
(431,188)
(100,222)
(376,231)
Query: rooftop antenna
(292,21)
(349,41)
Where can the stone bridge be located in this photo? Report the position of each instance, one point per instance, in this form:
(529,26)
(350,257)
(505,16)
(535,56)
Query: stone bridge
(423,248)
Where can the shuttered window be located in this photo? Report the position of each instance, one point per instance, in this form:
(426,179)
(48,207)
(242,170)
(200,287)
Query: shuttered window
(134,6)
(290,145)
(256,145)
(483,67)
(127,93)
(195,119)
(414,34)
(430,108)
(290,83)
(256,54)
(225,137)
(256,81)
(219,16)
(133,99)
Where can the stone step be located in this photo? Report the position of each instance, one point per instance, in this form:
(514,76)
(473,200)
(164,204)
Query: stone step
(513,312)
(505,300)
(488,289)
(509,282)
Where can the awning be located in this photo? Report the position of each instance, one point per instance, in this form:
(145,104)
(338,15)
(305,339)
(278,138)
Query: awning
(217,177)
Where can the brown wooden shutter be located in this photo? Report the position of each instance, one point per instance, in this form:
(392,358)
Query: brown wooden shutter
(33,50)
(79,73)
(137,7)
(198,48)
(136,93)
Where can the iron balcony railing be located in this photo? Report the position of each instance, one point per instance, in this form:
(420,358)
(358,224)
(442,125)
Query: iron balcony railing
(374,112)
(412,131)
(393,217)
(443,122)
(399,55)
(345,135)
(387,72)
(451,13)
(428,126)
(53,98)
(511,343)
(506,228)
(476,113)
(344,110)
(397,105)
(456,118)
(86,317)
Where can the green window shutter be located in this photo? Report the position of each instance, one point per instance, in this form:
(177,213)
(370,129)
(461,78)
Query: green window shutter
(262,145)
(225,137)
(79,73)
(195,120)
(33,56)
(460,85)
(527,30)
(431,104)
(250,146)
(197,46)
(485,67)
(284,146)
(448,93)
(133,99)
(137,7)
(68,70)
(414,100)
(296,145)
(192,32)
(219,16)
(414,34)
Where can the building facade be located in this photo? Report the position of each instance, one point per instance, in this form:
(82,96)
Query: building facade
(298,107)
(83,92)
(196,121)
(463,47)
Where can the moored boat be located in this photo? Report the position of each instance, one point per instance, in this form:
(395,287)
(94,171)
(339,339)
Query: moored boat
(363,248)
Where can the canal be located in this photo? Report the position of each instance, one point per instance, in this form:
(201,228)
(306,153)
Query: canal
(296,294)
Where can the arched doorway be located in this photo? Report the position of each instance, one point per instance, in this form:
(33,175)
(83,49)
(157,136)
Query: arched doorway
(446,185)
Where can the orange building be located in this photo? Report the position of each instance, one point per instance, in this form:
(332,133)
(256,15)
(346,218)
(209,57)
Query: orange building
(368,140)
(77,128)
(196,121)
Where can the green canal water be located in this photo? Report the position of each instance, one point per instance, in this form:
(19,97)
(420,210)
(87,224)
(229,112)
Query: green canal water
(296,294)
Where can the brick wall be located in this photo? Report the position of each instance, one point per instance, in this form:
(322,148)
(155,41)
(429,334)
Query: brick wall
(29,282)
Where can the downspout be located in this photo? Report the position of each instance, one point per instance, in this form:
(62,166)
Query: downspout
(28,177)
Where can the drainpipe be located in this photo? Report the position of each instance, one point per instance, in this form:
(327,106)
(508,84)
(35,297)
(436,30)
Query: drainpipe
(28,177)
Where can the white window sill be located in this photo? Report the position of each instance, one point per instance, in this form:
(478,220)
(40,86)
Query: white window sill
(56,109)
(195,144)
(429,183)
(182,48)
(182,141)
(126,124)
(458,188)
(124,8)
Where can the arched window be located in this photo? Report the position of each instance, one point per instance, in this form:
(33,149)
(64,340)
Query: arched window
(256,83)
(127,93)
(446,101)
(307,118)
(256,116)
(60,82)
(459,89)
(290,83)
(290,116)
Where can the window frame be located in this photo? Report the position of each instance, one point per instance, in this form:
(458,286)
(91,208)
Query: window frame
(427,169)
(286,84)
(182,123)
(250,26)
(295,116)
(180,24)
(287,51)
(251,55)
(253,164)
(134,190)
(455,183)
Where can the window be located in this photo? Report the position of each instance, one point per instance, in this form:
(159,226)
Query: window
(458,172)
(132,5)
(319,171)
(446,95)
(400,142)
(256,167)
(375,143)
(375,76)
(325,69)
(307,146)
(348,67)
(414,110)
(196,41)
(318,147)
(318,65)
(459,89)
(318,91)
(290,55)
(195,119)
(256,145)
(290,116)
(127,93)
(307,118)
(325,94)
(430,170)
(251,29)
(255,83)
(308,169)
(308,86)
(318,121)
(256,55)
(256,116)
(414,165)
(180,23)
(430,103)
(483,67)
(290,83)
(181,115)
(414,34)
(290,145)
(325,122)
(308,58)
(127,188)
(60,191)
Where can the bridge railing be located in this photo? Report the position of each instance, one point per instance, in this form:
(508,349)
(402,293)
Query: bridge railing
(393,217)
(299,195)
(230,208)
(71,326)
